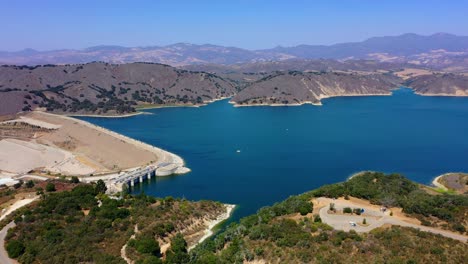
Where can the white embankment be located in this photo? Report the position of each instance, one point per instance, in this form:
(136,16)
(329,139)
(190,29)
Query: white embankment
(211,224)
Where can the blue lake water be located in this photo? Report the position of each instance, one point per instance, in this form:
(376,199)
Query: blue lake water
(290,150)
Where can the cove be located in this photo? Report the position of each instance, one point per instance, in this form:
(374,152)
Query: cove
(290,150)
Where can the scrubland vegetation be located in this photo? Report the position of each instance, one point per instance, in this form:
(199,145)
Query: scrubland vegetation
(271,235)
(84,225)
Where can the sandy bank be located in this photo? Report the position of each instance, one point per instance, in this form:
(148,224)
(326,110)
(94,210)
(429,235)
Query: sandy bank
(108,116)
(354,95)
(437,184)
(319,103)
(275,105)
(357,174)
(457,94)
(211,224)
(205,103)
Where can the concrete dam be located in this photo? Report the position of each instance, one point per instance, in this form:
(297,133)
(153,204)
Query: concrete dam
(129,179)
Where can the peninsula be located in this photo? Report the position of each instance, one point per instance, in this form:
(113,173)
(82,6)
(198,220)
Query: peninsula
(295,88)
(371,217)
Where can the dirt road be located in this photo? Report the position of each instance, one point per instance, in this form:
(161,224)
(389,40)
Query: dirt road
(4,259)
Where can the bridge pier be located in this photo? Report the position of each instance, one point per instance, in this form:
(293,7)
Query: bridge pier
(137,176)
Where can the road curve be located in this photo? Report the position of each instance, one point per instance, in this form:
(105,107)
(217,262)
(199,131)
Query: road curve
(4,259)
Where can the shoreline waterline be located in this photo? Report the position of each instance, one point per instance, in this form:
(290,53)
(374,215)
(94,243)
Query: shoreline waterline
(441,94)
(139,110)
(357,174)
(107,116)
(319,103)
(208,232)
(181,105)
(437,184)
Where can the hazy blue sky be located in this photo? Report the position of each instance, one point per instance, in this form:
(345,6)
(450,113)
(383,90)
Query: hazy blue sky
(43,25)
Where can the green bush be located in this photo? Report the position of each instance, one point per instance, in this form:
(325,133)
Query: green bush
(74,179)
(305,208)
(50,187)
(100,187)
(30,184)
(178,251)
(14,248)
(317,219)
(18,184)
(147,245)
(259,251)
(459,228)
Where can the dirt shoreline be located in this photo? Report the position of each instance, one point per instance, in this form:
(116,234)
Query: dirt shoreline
(357,174)
(182,105)
(436,182)
(319,103)
(211,224)
(441,94)
(106,116)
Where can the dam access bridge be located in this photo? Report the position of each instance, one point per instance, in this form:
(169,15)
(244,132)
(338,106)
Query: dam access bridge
(129,179)
(138,175)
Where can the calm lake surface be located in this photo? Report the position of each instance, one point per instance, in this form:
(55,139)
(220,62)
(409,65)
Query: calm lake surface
(290,150)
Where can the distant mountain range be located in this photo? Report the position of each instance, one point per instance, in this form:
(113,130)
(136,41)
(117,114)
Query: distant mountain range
(439,50)
(68,81)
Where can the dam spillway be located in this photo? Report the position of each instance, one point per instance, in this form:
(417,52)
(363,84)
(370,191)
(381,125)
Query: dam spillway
(129,179)
(135,176)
